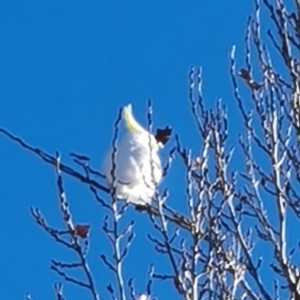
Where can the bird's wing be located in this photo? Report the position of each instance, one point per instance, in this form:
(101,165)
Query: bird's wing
(127,163)
(133,163)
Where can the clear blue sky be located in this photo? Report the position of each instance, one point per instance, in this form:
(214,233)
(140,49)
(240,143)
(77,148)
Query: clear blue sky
(66,67)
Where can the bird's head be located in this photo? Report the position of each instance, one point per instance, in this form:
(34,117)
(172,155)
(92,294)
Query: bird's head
(138,131)
(130,122)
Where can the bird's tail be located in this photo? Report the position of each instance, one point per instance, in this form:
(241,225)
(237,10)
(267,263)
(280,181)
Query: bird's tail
(129,119)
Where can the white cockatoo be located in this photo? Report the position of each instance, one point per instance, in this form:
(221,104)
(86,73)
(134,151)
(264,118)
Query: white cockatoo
(138,167)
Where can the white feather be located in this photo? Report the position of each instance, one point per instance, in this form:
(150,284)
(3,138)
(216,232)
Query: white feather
(138,167)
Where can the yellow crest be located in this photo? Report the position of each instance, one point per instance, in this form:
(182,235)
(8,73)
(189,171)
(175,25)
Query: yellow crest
(130,122)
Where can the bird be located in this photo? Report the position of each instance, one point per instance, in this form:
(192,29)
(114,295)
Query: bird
(138,168)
